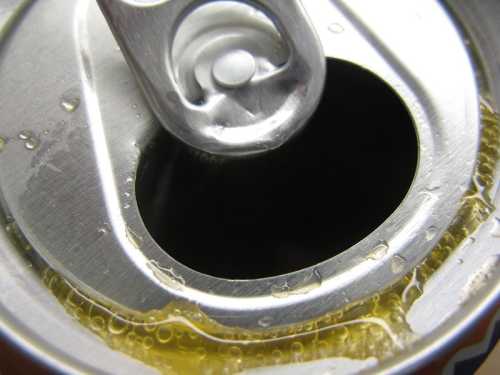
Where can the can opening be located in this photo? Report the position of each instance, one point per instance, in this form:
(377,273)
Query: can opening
(334,184)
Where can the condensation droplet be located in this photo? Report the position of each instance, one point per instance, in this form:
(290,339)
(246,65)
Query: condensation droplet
(280,291)
(433,188)
(25,135)
(431,233)
(266,321)
(398,264)
(379,251)
(429,196)
(70,101)
(460,261)
(336,28)
(32,143)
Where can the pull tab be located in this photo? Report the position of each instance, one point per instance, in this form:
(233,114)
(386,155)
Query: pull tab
(226,77)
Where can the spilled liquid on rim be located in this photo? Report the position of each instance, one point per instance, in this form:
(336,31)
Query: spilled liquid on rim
(180,339)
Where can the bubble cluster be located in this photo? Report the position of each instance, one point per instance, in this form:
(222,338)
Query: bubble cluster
(31,141)
(184,340)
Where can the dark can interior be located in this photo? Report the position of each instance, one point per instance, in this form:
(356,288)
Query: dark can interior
(295,207)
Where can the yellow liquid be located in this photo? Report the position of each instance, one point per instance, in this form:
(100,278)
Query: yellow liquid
(180,339)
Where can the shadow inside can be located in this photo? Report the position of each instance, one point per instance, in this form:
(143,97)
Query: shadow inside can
(315,197)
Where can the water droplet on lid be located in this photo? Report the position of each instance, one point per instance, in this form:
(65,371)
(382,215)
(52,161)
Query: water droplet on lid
(429,196)
(70,101)
(433,188)
(431,233)
(266,321)
(398,264)
(336,28)
(25,135)
(32,143)
(280,291)
(460,261)
(379,251)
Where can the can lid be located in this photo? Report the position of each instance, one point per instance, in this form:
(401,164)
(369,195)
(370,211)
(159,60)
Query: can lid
(68,169)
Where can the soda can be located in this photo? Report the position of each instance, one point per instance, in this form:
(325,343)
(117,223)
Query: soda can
(146,230)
